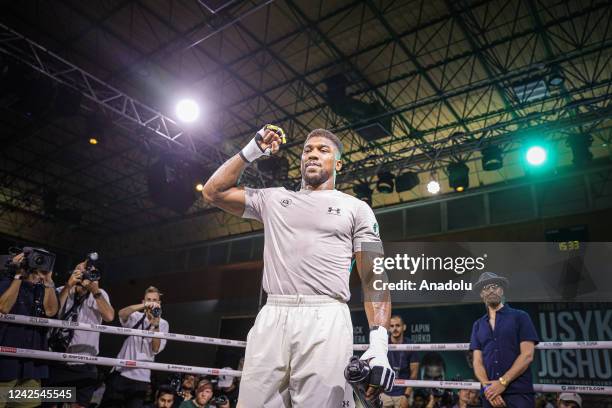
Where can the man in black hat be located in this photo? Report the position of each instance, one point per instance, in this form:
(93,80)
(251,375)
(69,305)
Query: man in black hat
(503,341)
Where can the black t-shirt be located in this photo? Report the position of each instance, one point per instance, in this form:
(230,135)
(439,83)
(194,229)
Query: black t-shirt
(22,336)
(400,362)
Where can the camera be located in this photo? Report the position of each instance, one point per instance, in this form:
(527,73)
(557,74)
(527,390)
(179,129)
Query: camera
(219,401)
(91,272)
(34,259)
(156,311)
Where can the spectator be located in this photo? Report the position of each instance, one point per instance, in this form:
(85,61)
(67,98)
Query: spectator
(569,400)
(164,397)
(28,292)
(186,391)
(203,396)
(129,386)
(405,364)
(81,300)
(467,398)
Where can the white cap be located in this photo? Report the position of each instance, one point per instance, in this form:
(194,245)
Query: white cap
(571,396)
(225,380)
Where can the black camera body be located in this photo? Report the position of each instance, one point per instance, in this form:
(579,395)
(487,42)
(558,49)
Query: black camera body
(219,400)
(156,311)
(35,259)
(91,272)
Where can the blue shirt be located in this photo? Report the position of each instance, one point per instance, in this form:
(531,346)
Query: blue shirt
(22,336)
(501,347)
(400,362)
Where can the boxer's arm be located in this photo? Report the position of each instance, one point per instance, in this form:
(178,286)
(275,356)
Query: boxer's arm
(377,303)
(221,191)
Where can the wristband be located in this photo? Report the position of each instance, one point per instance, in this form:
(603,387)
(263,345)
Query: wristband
(379,340)
(18,277)
(50,286)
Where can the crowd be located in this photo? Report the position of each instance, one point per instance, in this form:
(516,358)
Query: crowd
(29,291)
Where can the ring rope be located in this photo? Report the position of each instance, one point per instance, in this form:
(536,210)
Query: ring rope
(114,362)
(44,322)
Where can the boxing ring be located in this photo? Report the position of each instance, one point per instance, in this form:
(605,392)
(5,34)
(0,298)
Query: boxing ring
(177,368)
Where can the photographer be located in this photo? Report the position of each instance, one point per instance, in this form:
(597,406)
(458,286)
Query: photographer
(228,386)
(81,300)
(128,386)
(185,389)
(28,290)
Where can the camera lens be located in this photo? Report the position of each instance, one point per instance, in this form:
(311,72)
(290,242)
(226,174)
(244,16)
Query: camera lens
(39,260)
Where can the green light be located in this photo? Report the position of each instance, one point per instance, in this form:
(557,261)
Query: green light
(536,155)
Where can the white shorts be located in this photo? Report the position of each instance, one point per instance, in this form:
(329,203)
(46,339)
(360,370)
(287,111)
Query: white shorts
(296,354)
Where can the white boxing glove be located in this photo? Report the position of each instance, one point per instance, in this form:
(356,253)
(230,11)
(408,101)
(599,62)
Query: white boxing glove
(381,374)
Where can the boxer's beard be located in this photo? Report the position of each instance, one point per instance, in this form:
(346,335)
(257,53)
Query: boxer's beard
(316,179)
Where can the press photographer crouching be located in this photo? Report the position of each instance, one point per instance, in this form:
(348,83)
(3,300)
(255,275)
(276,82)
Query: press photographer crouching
(26,288)
(80,300)
(127,387)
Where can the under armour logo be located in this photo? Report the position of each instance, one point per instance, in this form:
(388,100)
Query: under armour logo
(345,404)
(333,210)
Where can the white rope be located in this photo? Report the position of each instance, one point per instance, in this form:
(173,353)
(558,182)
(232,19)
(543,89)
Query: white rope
(44,322)
(112,362)
(581,389)
(106,361)
(547,345)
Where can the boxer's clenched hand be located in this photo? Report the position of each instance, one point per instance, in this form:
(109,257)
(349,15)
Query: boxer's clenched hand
(267,141)
(381,374)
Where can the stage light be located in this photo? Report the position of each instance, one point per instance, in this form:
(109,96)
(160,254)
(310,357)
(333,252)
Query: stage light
(96,129)
(556,77)
(581,148)
(458,176)
(187,110)
(406,181)
(536,155)
(492,158)
(433,187)
(363,192)
(199,187)
(385,182)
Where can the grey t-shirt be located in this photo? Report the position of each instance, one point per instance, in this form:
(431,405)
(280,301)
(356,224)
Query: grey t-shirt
(310,238)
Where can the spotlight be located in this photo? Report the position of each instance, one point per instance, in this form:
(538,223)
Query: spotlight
(433,187)
(363,192)
(199,187)
(187,110)
(536,155)
(95,130)
(385,182)
(581,148)
(492,158)
(458,176)
(556,77)
(406,181)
